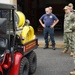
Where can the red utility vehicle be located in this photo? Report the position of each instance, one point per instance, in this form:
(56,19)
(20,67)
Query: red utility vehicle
(15,58)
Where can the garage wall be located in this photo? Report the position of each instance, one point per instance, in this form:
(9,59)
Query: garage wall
(56,1)
(33,9)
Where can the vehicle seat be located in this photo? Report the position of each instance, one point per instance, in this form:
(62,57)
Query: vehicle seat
(3,45)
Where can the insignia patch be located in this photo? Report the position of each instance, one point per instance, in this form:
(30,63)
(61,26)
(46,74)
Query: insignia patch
(50,16)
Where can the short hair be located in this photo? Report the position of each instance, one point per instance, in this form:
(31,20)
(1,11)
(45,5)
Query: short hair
(50,8)
(46,8)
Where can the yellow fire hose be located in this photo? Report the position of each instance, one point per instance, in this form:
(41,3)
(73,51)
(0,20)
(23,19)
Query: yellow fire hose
(20,17)
(27,32)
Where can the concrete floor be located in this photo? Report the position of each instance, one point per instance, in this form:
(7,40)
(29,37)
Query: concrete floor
(53,62)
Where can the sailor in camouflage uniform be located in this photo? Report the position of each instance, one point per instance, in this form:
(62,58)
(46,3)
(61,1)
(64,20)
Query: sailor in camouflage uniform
(73,11)
(73,37)
(68,21)
(73,34)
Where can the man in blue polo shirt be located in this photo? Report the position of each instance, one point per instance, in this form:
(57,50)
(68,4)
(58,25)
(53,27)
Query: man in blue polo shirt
(48,21)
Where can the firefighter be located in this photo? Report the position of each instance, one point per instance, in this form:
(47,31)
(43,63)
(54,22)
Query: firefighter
(48,22)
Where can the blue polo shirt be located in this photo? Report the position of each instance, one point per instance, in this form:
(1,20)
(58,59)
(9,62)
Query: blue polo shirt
(48,19)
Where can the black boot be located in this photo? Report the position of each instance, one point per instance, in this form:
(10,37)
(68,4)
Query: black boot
(46,46)
(53,47)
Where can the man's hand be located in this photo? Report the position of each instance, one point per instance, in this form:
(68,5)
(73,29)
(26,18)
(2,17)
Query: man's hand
(43,25)
(52,26)
(55,22)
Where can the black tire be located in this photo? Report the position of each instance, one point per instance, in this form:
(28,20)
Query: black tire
(32,62)
(24,66)
(0,73)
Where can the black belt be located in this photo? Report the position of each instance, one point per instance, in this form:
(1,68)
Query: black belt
(48,26)
(73,30)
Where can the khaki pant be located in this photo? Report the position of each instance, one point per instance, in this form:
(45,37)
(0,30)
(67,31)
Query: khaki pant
(68,41)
